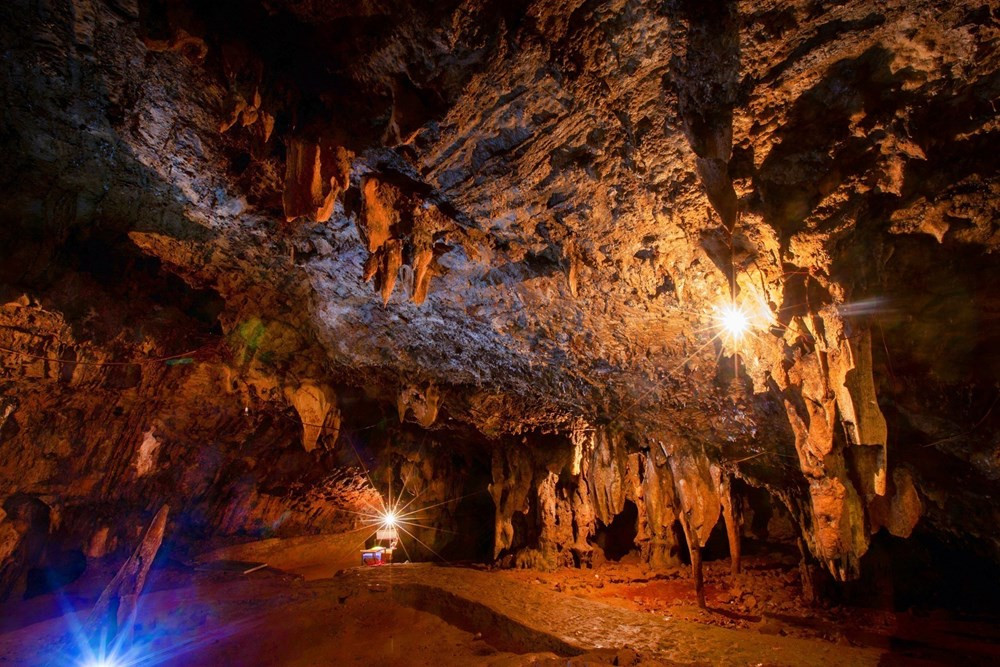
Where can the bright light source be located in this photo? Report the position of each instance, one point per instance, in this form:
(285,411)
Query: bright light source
(734,321)
(102,662)
(389,519)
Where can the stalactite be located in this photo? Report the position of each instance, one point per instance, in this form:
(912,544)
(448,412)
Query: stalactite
(660,502)
(316,405)
(315,174)
(697,486)
(395,223)
(512,475)
(422,273)
(573,259)
(835,380)
(606,475)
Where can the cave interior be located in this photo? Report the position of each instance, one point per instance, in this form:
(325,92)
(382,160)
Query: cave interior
(657,332)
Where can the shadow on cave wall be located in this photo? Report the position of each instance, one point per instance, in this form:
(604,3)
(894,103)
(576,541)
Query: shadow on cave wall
(816,150)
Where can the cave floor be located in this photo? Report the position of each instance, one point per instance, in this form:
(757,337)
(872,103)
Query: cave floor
(308,613)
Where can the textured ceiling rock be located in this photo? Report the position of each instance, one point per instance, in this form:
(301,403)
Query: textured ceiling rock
(554,199)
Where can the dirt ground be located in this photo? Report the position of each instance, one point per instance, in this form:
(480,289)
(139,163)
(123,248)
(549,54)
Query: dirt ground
(767,598)
(312,606)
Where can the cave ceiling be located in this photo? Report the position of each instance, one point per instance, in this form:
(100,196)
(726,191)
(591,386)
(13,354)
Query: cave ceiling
(524,216)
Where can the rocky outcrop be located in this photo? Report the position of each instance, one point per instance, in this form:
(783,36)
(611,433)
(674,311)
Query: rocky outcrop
(96,437)
(23,533)
(423,402)
(316,406)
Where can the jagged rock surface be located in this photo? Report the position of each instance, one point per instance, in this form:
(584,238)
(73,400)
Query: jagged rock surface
(567,193)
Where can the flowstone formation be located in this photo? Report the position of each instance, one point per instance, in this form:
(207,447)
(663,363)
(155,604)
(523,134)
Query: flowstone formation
(251,251)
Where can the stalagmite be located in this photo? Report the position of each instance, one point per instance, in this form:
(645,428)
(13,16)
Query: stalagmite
(732,523)
(118,603)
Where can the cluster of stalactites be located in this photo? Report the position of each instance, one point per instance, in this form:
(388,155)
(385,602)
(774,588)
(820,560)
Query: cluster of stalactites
(400,228)
(851,494)
(587,484)
(820,365)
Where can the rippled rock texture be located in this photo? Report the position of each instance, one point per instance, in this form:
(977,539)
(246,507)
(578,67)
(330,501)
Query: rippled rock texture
(505,229)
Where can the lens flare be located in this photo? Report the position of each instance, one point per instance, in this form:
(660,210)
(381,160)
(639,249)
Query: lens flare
(389,518)
(734,321)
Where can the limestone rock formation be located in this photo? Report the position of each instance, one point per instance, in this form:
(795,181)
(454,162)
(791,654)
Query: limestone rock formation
(564,197)
(315,174)
(316,406)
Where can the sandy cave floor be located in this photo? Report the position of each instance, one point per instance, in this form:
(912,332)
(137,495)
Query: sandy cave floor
(311,606)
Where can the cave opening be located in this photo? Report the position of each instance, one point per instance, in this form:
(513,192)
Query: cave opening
(922,573)
(60,569)
(765,523)
(525,532)
(617,539)
(717,546)
(473,538)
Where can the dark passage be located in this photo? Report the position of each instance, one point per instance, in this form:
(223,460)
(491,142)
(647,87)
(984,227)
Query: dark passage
(617,539)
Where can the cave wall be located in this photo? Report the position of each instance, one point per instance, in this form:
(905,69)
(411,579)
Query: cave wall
(97,446)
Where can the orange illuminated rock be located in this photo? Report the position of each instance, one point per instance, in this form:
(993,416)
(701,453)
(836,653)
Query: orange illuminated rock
(317,408)
(314,175)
